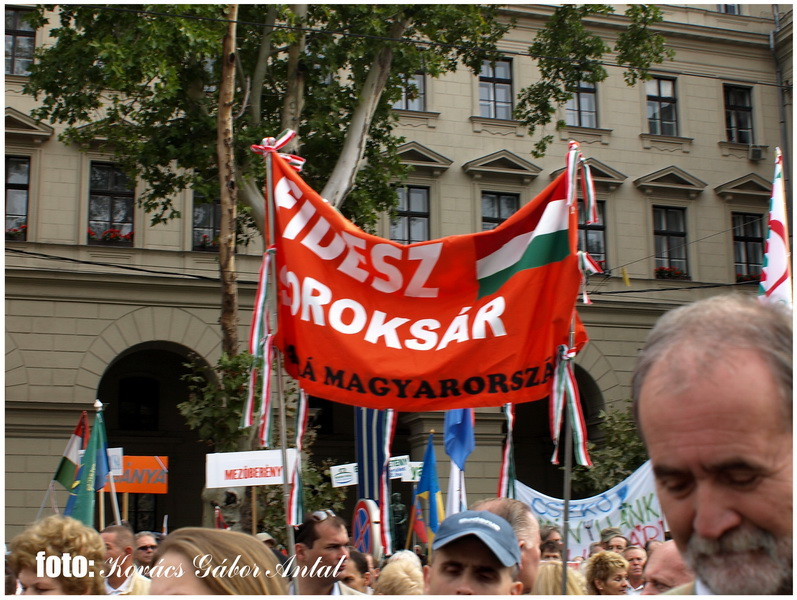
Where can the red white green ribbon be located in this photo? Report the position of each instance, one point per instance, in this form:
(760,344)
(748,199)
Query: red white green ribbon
(506,478)
(588,266)
(260,347)
(577,165)
(271,144)
(565,393)
(296,497)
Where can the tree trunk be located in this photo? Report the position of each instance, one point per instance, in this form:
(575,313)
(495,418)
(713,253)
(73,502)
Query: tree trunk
(293,103)
(343,175)
(224,149)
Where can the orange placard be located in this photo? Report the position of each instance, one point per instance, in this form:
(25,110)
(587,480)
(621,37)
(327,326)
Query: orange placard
(142,475)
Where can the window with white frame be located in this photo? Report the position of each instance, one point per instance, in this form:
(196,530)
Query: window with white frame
(206,220)
(497,207)
(411,221)
(661,99)
(738,114)
(17,197)
(111,200)
(20,41)
(730,9)
(592,237)
(495,89)
(413,94)
(748,245)
(669,233)
(582,109)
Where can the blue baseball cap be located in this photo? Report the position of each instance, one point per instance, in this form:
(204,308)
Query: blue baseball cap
(492,530)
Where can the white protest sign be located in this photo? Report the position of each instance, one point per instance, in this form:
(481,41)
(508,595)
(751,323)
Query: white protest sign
(631,505)
(256,467)
(343,475)
(413,472)
(115,461)
(398,465)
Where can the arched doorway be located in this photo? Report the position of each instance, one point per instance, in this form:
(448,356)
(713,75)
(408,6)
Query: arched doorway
(532,437)
(141,390)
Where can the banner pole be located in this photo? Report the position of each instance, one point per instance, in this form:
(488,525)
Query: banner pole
(48,493)
(568,474)
(286,486)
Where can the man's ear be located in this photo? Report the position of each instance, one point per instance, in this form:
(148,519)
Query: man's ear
(300,550)
(367,578)
(516,589)
(426,569)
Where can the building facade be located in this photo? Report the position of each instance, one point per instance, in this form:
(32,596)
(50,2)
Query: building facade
(101,305)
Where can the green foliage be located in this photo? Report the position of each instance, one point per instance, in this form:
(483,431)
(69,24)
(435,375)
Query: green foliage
(216,401)
(214,408)
(145,77)
(620,453)
(567,53)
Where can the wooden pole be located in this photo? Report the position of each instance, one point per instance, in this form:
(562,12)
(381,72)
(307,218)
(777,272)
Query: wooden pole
(102,509)
(125,505)
(254,509)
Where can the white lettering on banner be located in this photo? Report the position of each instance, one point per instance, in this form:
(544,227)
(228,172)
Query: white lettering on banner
(632,505)
(349,317)
(384,258)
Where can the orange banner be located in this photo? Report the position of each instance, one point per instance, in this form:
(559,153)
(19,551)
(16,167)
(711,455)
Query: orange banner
(462,321)
(142,475)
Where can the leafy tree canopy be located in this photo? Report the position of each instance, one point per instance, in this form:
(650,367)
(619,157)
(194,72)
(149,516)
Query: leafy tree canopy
(145,79)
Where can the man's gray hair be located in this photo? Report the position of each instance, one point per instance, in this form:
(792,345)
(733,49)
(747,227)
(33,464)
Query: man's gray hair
(518,514)
(711,327)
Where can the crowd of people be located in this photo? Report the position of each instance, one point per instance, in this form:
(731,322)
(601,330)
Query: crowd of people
(713,402)
(494,548)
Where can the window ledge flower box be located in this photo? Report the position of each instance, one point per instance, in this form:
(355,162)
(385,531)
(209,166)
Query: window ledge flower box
(670,273)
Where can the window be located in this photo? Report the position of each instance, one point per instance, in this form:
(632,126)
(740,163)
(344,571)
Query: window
(748,245)
(20,41)
(662,119)
(730,9)
(17,194)
(413,96)
(496,208)
(207,219)
(411,223)
(582,109)
(495,89)
(111,197)
(669,232)
(738,114)
(592,238)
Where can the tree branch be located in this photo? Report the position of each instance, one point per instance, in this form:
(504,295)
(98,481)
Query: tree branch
(345,172)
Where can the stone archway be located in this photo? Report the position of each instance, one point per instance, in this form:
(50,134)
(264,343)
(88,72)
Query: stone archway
(149,324)
(141,390)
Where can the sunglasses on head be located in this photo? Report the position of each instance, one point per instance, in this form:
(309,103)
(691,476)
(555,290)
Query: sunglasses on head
(152,547)
(317,517)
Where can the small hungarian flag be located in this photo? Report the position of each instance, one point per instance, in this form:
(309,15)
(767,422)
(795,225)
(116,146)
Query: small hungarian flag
(70,461)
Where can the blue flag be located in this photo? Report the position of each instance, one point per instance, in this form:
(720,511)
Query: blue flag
(429,488)
(459,437)
(91,477)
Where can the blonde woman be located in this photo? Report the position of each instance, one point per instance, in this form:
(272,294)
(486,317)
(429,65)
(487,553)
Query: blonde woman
(192,560)
(607,574)
(400,578)
(55,536)
(549,580)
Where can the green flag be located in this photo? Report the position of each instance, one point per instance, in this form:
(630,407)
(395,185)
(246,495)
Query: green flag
(91,476)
